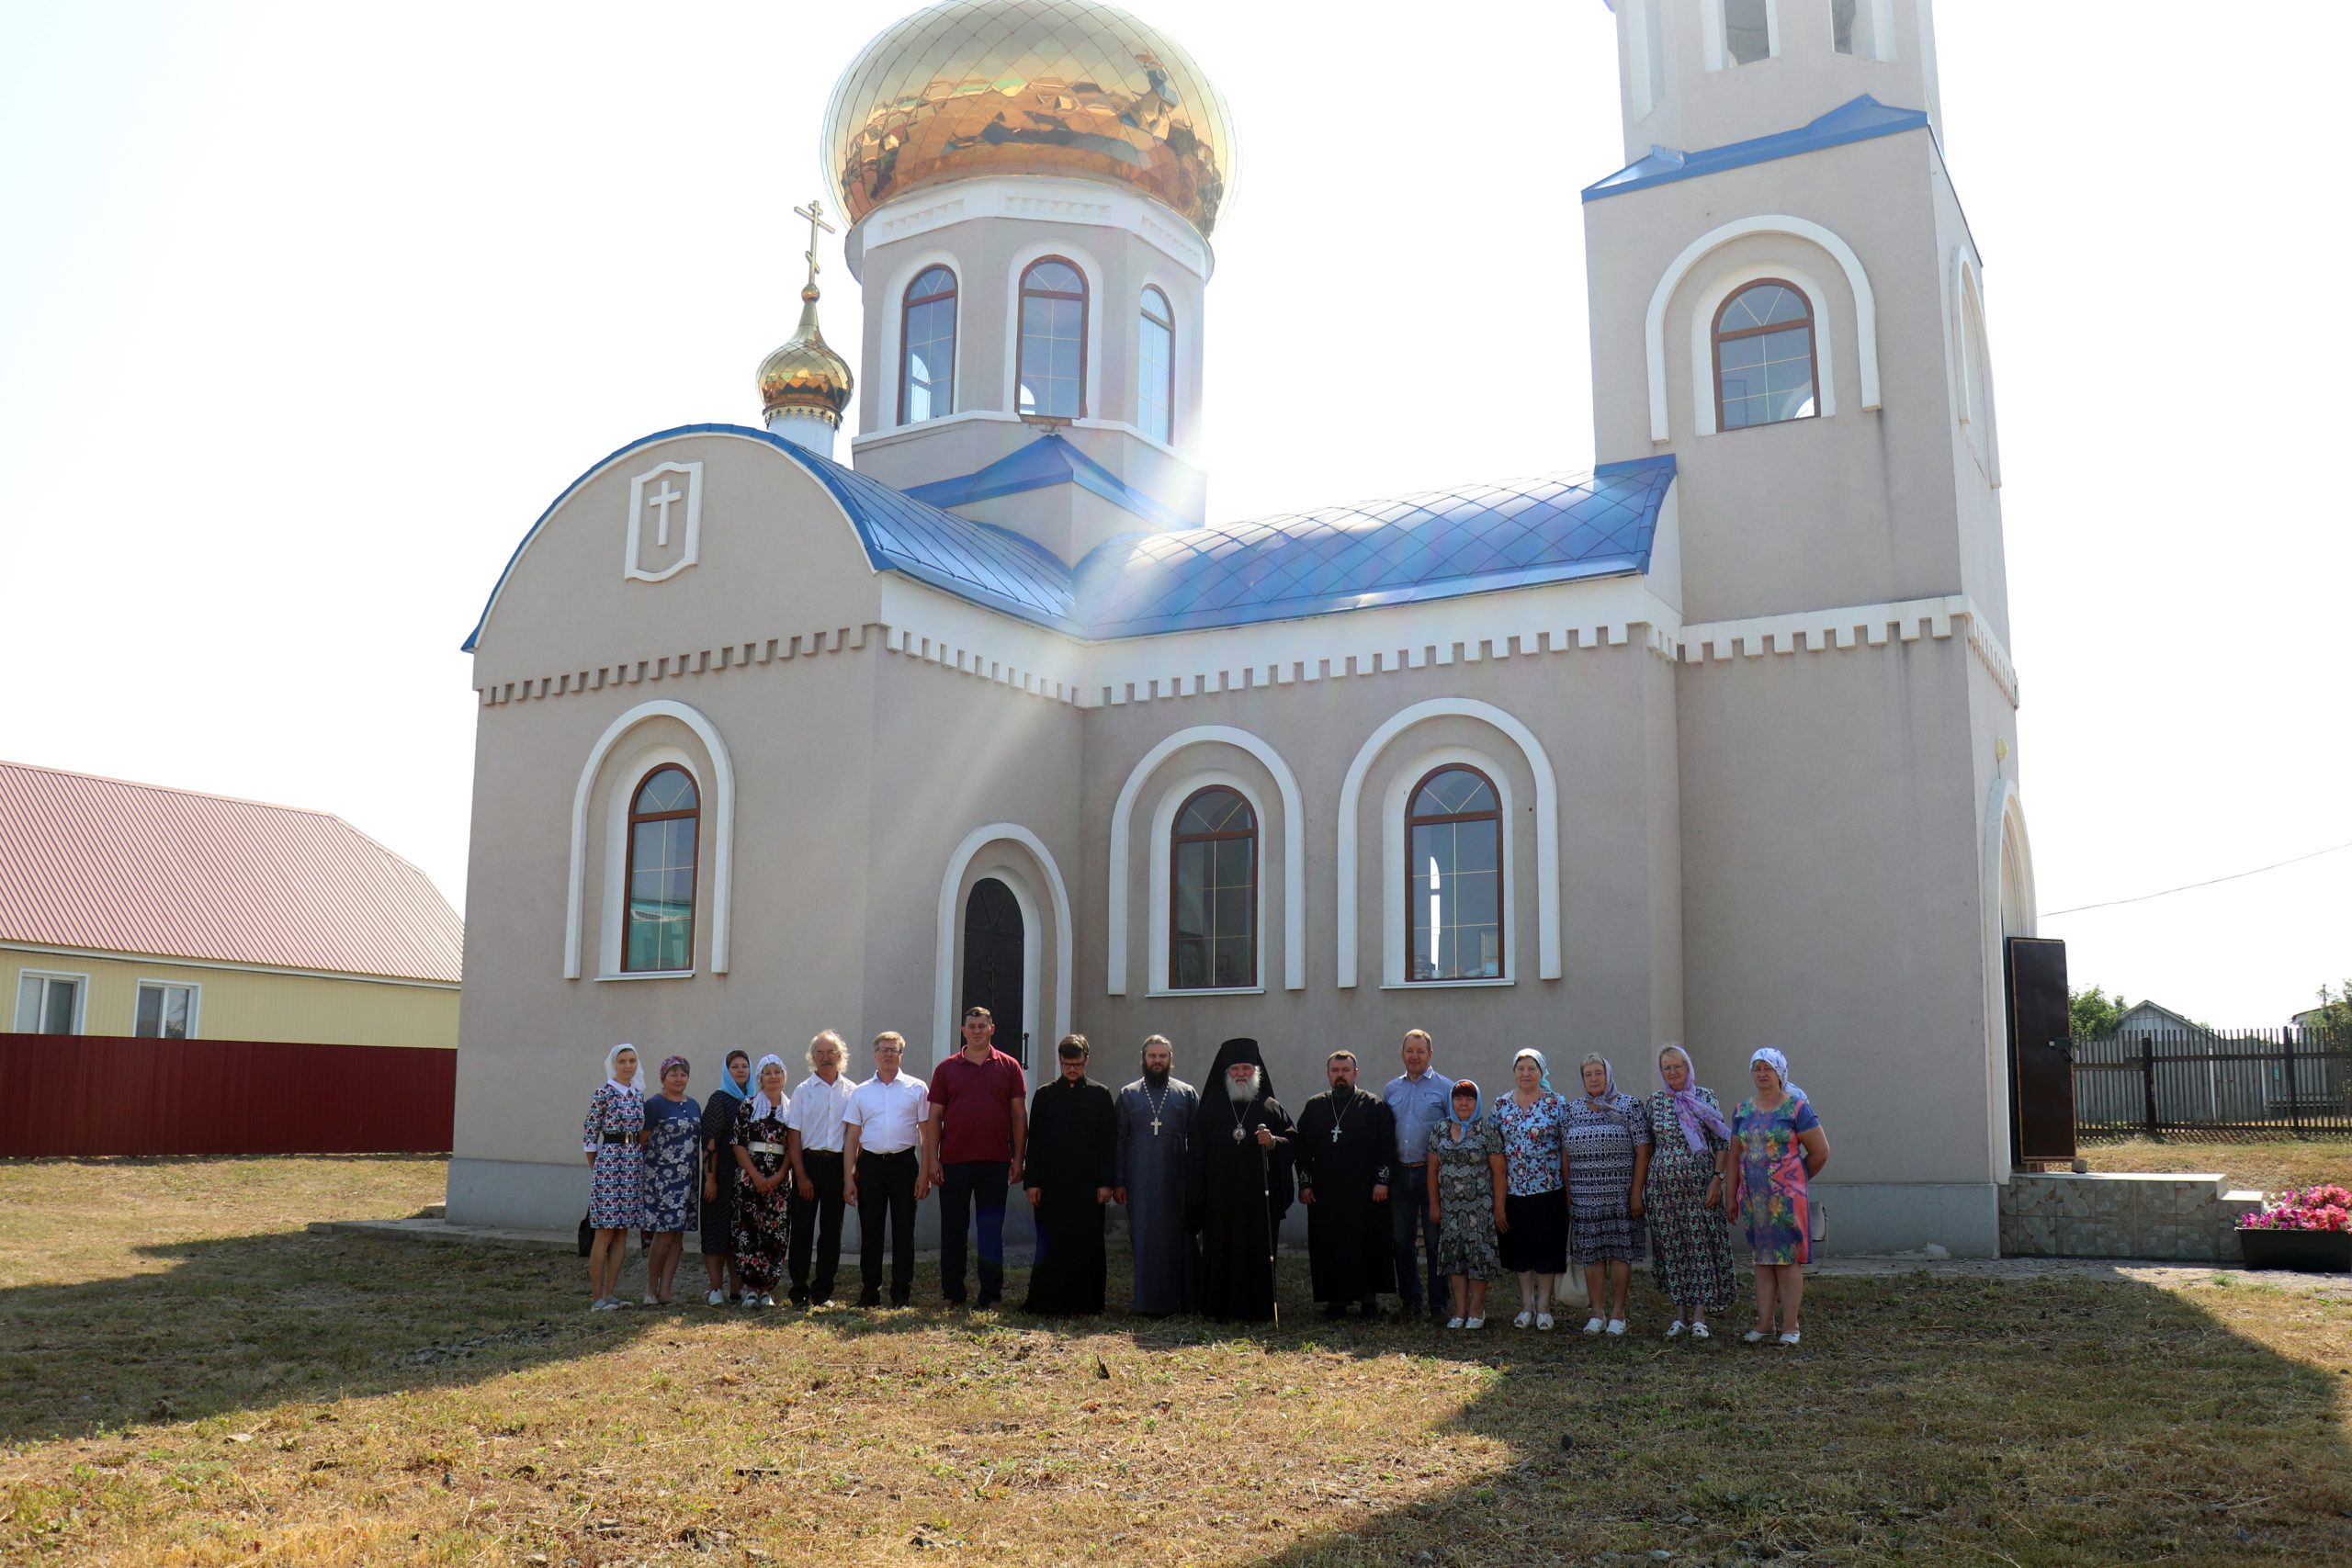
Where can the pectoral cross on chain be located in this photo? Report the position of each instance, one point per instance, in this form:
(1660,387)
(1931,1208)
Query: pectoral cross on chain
(1155,1126)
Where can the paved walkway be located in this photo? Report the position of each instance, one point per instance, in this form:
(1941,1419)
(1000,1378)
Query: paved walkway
(2169,1276)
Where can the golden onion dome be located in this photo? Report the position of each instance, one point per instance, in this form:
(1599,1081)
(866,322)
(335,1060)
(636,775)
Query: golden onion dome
(805,376)
(1028,87)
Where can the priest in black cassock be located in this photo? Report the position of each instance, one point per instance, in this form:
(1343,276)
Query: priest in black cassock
(1067,1177)
(1345,1141)
(1238,1184)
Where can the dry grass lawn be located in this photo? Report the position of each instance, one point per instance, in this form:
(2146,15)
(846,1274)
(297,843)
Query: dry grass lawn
(2268,1166)
(186,1377)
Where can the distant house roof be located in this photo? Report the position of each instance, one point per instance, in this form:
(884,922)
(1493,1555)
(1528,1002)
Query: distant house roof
(115,867)
(2149,1015)
(1437,545)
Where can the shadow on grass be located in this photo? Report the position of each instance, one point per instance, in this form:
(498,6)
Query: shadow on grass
(1925,1418)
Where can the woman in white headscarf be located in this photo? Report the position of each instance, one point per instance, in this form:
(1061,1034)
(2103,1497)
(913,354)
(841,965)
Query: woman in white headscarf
(761,1228)
(1687,1200)
(1531,1120)
(1781,1149)
(612,1137)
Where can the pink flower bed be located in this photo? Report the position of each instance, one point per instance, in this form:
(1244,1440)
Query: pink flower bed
(2311,1209)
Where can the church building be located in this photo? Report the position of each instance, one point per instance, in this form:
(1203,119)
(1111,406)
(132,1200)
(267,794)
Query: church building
(1715,742)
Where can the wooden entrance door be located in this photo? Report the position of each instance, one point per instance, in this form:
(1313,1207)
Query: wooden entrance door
(995,963)
(2041,1060)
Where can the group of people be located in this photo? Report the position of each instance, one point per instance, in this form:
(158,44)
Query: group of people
(1424,1190)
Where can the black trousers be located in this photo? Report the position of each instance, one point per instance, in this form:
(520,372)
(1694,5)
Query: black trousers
(818,1219)
(1409,1214)
(886,1196)
(973,1188)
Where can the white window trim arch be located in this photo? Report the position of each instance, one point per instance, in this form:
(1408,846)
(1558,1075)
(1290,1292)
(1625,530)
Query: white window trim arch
(1083,259)
(894,327)
(1865,301)
(1712,48)
(1294,853)
(1971,363)
(1703,411)
(718,815)
(1645,39)
(1016,877)
(1163,829)
(1395,960)
(1179,341)
(1547,826)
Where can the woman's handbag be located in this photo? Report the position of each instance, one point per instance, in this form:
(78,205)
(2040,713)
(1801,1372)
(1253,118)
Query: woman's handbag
(587,1237)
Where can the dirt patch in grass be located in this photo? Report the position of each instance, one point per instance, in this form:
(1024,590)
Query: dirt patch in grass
(2269,1165)
(198,1382)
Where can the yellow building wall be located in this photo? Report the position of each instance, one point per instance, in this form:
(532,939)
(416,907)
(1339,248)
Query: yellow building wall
(247,1004)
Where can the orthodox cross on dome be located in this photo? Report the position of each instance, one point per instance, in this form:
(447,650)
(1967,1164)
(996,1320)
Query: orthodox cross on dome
(815,213)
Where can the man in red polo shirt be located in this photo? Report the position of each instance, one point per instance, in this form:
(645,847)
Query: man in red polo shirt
(975,1139)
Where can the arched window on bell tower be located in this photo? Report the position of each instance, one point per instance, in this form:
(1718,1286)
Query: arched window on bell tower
(1765,370)
(1156,368)
(1051,371)
(927,365)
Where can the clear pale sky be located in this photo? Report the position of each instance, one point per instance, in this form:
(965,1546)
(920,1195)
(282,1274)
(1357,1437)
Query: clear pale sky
(306,312)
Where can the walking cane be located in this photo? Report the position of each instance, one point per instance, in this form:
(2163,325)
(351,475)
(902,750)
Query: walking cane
(1266,1202)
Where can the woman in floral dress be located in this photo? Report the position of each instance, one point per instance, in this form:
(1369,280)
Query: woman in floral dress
(1781,1149)
(760,1230)
(1468,1187)
(1608,1140)
(672,1172)
(612,1137)
(1531,1120)
(1687,1200)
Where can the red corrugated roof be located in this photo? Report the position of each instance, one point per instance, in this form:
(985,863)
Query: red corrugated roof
(87,862)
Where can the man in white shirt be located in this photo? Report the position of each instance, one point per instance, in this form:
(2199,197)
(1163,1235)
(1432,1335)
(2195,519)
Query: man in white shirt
(882,1150)
(819,1182)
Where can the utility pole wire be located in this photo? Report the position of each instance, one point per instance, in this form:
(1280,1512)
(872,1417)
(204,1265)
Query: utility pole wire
(2209,881)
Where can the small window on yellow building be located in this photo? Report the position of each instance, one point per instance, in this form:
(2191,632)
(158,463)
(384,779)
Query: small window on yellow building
(165,1012)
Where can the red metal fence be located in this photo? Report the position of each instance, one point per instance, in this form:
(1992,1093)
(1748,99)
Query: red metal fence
(82,1094)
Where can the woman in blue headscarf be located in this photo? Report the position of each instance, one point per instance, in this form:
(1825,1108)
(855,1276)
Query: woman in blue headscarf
(719,1175)
(1468,1191)
(1532,1124)
(1781,1149)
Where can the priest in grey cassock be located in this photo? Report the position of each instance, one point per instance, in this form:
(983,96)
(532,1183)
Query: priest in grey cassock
(1154,1120)
(1345,1141)
(1238,1183)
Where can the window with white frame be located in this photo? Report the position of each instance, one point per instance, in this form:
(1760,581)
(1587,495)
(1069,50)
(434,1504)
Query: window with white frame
(1747,32)
(1862,29)
(1649,57)
(49,1003)
(165,1012)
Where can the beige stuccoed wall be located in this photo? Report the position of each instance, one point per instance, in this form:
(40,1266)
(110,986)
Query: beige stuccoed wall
(238,1003)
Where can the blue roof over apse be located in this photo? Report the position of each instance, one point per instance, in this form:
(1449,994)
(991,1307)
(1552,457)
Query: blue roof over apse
(976,561)
(1857,121)
(1435,546)
(1048,460)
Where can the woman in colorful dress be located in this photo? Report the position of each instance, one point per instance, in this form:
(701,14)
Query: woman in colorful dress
(1468,1187)
(1781,1149)
(673,1172)
(719,1177)
(1531,1121)
(1688,1202)
(612,1137)
(1608,1140)
(761,1140)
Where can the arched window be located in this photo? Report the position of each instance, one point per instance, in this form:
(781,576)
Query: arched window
(662,819)
(927,329)
(1453,877)
(1213,888)
(1764,365)
(1053,340)
(1156,370)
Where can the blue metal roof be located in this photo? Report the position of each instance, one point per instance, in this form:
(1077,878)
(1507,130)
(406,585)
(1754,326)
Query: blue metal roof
(1857,121)
(1046,461)
(1434,546)
(978,561)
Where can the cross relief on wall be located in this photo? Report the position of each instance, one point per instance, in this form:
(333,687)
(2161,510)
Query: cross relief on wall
(664,520)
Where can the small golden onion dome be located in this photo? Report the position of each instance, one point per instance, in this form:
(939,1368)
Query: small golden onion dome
(805,377)
(1029,87)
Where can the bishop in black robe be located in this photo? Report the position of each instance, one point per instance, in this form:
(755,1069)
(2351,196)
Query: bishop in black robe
(1068,1173)
(1346,1139)
(1237,1185)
